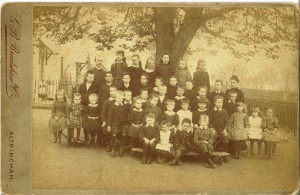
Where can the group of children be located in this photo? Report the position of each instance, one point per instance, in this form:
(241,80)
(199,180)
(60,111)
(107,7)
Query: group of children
(167,113)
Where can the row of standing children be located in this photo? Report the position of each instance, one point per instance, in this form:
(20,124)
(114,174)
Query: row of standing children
(97,113)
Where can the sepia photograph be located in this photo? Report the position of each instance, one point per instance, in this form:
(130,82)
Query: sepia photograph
(170,97)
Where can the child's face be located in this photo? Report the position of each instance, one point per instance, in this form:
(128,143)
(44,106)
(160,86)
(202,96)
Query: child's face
(119,57)
(173,81)
(165,59)
(233,83)
(202,106)
(189,85)
(77,100)
(144,95)
(150,121)
(60,96)
(108,78)
(135,60)
(119,98)
(254,114)
(240,108)
(232,97)
(143,80)
(202,92)
(158,82)
(90,78)
(170,107)
(218,86)
(164,128)
(182,65)
(269,113)
(138,104)
(112,92)
(162,90)
(151,64)
(204,122)
(127,96)
(126,79)
(180,92)
(93,100)
(154,101)
(202,66)
(219,103)
(185,126)
(185,106)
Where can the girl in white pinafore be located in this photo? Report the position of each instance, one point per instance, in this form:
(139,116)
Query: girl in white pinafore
(165,142)
(255,130)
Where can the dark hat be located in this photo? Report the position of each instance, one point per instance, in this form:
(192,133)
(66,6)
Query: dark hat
(203,100)
(120,52)
(234,77)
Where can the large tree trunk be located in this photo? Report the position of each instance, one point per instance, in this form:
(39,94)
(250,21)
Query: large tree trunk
(164,30)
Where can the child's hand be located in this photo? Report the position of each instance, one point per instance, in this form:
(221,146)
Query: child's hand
(224,132)
(108,129)
(152,141)
(103,124)
(146,141)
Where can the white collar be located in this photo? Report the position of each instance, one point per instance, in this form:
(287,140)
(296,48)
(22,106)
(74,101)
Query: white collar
(111,99)
(202,110)
(179,98)
(201,127)
(170,113)
(138,110)
(148,125)
(217,92)
(126,85)
(127,102)
(215,108)
(118,104)
(93,105)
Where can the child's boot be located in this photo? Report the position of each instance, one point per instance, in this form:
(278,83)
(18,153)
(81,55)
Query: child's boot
(108,143)
(123,141)
(159,158)
(175,160)
(210,162)
(55,137)
(178,154)
(113,144)
(266,148)
(259,147)
(149,158)
(270,150)
(145,155)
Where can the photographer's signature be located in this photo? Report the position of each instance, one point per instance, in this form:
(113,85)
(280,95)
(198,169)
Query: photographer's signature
(12,44)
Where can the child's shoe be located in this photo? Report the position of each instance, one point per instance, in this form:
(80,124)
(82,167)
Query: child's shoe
(211,164)
(149,159)
(113,154)
(173,162)
(55,138)
(179,163)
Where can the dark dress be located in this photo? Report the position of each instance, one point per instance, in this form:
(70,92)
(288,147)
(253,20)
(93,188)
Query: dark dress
(136,120)
(171,91)
(190,94)
(94,88)
(135,75)
(117,69)
(172,119)
(152,74)
(75,115)
(270,124)
(165,71)
(230,107)
(99,75)
(162,104)
(183,141)
(177,101)
(153,109)
(59,109)
(201,78)
(91,124)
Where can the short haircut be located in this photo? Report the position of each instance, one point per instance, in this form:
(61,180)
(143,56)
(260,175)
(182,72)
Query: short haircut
(127,91)
(119,93)
(203,87)
(145,75)
(125,74)
(113,86)
(143,89)
(109,72)
(150,115)
(77,95)
(89,72)
(153,95)
(270,108)
(185,101)
(165,122)
(93,95)
(232,92)
(203,117)
(219,81)
(180,87)
(186,120)
(159,78)
(170,102)
(255,109)
(218,97)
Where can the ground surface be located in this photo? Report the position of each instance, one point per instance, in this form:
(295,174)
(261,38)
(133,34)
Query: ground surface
(55,166)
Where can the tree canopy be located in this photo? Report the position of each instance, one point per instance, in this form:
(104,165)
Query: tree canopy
(264,28)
